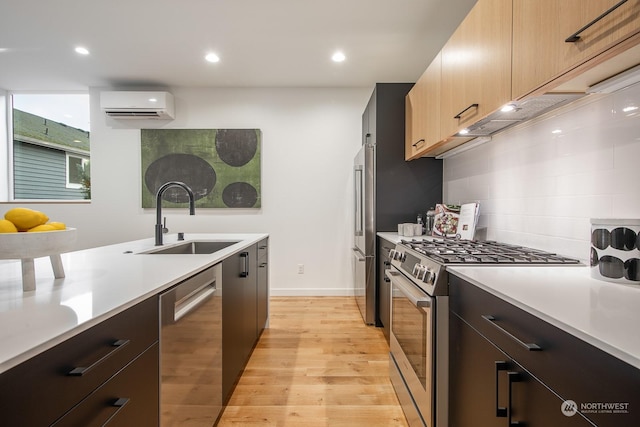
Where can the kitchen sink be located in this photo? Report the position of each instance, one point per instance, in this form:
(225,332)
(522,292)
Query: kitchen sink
(192,248)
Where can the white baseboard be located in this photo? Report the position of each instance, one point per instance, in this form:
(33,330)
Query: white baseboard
(308,292)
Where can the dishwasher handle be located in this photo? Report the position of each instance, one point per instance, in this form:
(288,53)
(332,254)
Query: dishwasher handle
(188,295)
(187,305)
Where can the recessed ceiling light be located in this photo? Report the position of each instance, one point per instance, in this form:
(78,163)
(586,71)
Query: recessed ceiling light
(556,131)
(338,57)
(82,50)
(153,100)
(212,57)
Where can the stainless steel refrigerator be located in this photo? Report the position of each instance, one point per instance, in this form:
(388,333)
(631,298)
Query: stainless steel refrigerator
(388,190)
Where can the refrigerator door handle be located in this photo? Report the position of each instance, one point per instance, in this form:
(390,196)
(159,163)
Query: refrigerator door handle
(359,200)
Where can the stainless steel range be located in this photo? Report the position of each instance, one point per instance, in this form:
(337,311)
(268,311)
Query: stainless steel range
(420,315)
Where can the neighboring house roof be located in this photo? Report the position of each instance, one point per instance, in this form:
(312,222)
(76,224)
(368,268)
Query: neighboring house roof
(38,130)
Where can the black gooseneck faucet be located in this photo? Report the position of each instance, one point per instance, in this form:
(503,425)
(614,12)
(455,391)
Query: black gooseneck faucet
(161,190)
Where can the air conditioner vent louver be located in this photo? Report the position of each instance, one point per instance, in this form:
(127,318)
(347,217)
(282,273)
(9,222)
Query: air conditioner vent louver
(133,105)
(146,114)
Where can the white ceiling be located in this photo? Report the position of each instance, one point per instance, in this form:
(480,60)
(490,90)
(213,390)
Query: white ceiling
(287,43)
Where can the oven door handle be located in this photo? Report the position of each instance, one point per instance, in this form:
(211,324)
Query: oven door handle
(417,297)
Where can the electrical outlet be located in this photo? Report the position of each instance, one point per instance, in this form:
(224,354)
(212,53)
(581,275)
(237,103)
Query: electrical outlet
(300,268)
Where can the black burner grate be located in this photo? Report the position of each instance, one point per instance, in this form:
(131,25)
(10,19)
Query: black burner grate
(489,252)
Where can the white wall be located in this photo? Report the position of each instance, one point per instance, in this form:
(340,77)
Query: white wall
(540,189)
(309,139)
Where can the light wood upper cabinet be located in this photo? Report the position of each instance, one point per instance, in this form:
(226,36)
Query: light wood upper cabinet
(540,28)
(476,66)
(423,112)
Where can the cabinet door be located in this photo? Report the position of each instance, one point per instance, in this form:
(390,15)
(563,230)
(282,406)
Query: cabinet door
(476,66)
(232,323)
(541,27)
(423,112)
(487,388)
(239,318)
(473,378)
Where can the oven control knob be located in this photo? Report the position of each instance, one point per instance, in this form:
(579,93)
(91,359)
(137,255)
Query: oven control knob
(430,277)
(392,253)
(418,271)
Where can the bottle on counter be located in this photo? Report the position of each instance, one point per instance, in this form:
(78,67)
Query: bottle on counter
(430,220)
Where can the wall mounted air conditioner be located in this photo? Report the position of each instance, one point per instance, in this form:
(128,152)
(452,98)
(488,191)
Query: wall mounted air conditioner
(137,105)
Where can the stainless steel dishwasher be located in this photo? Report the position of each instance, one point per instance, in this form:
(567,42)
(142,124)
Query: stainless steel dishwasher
(191,350)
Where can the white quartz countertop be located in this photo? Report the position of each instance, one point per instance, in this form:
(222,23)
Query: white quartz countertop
(99,283)
(604,314)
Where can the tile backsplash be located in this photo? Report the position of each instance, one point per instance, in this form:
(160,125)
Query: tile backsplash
(540,183)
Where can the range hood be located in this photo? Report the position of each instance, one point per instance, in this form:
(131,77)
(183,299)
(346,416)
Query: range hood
(517,112)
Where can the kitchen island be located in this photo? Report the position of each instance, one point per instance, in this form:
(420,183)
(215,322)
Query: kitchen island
(100,283)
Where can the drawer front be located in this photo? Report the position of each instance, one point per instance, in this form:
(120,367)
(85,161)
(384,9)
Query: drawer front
(45,381)
(571,367)
(130,398)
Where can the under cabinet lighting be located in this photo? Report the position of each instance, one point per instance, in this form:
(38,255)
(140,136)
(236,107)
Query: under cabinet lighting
(508,108)
(464,147)
(82,50)
(617,82)
(463,132)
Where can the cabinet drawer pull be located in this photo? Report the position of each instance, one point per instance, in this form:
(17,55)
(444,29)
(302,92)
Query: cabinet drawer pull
(459,115)
(528,346)
(82,370)
(576,36)
(501,411)
(513,377)
(415,144)
(119,403)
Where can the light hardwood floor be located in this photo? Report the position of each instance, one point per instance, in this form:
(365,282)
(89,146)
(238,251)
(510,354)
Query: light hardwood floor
(316,365)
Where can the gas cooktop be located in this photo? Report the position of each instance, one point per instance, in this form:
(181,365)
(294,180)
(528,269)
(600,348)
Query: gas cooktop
(451,251)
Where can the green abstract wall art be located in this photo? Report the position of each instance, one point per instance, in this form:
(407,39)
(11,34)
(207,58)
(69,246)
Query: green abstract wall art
(221,166)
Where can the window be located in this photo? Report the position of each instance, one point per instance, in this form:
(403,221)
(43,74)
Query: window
(50,150)
(76,167)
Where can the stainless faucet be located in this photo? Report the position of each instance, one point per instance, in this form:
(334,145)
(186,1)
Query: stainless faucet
(161,190)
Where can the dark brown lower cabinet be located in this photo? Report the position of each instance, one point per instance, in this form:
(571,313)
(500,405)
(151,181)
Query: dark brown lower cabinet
(487,388)
(83,377)
(508,367)
(127,399)
(239,314)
